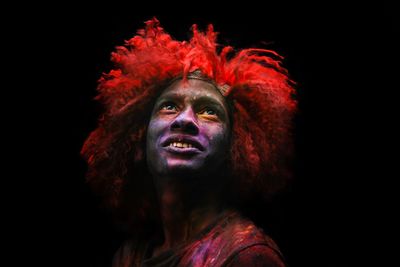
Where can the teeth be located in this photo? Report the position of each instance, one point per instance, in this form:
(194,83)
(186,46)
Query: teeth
(181,145)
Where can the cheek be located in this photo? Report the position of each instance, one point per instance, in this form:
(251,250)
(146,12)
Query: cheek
(154,129)
(218,137)
(154,132)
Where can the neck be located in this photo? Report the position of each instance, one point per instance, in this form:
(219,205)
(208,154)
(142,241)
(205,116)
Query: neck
(185,208)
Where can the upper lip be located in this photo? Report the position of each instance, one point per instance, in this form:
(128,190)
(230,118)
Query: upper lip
(183,139)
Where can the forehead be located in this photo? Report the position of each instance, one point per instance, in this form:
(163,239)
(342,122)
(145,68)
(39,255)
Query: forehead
(193,89)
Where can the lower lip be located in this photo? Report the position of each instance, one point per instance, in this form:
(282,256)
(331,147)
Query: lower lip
(182,150)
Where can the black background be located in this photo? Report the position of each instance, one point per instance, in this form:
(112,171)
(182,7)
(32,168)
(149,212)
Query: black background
(340,57)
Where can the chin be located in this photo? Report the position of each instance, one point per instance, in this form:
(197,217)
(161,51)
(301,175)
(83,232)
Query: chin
(182,166)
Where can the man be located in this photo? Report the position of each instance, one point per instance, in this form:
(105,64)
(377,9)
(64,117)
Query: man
(189,135)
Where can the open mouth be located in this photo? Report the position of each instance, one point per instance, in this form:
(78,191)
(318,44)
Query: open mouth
(182,145)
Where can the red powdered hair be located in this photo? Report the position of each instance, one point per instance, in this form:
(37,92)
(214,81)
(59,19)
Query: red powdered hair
(256,84)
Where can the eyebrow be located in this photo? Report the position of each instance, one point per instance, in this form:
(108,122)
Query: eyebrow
(201,99)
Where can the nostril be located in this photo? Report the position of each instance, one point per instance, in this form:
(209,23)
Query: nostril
(191,127)
(175,125)
(187,126)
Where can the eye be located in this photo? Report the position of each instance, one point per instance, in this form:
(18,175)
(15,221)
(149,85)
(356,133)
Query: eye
(169,106)
(208,111)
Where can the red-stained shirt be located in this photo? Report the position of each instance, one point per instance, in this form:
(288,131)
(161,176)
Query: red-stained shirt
(230,241)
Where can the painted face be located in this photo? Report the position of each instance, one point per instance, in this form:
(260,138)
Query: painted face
(189,130)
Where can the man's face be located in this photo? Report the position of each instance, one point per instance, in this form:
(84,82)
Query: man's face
(189,130)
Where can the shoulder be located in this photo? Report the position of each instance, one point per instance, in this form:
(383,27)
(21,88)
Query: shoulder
(257,256)
(241,233)
(122,254)
(240,242)
(131,251)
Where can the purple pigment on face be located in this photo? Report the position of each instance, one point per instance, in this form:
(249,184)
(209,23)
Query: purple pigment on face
(189,130)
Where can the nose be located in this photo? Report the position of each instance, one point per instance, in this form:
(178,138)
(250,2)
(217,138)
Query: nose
(186,122)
